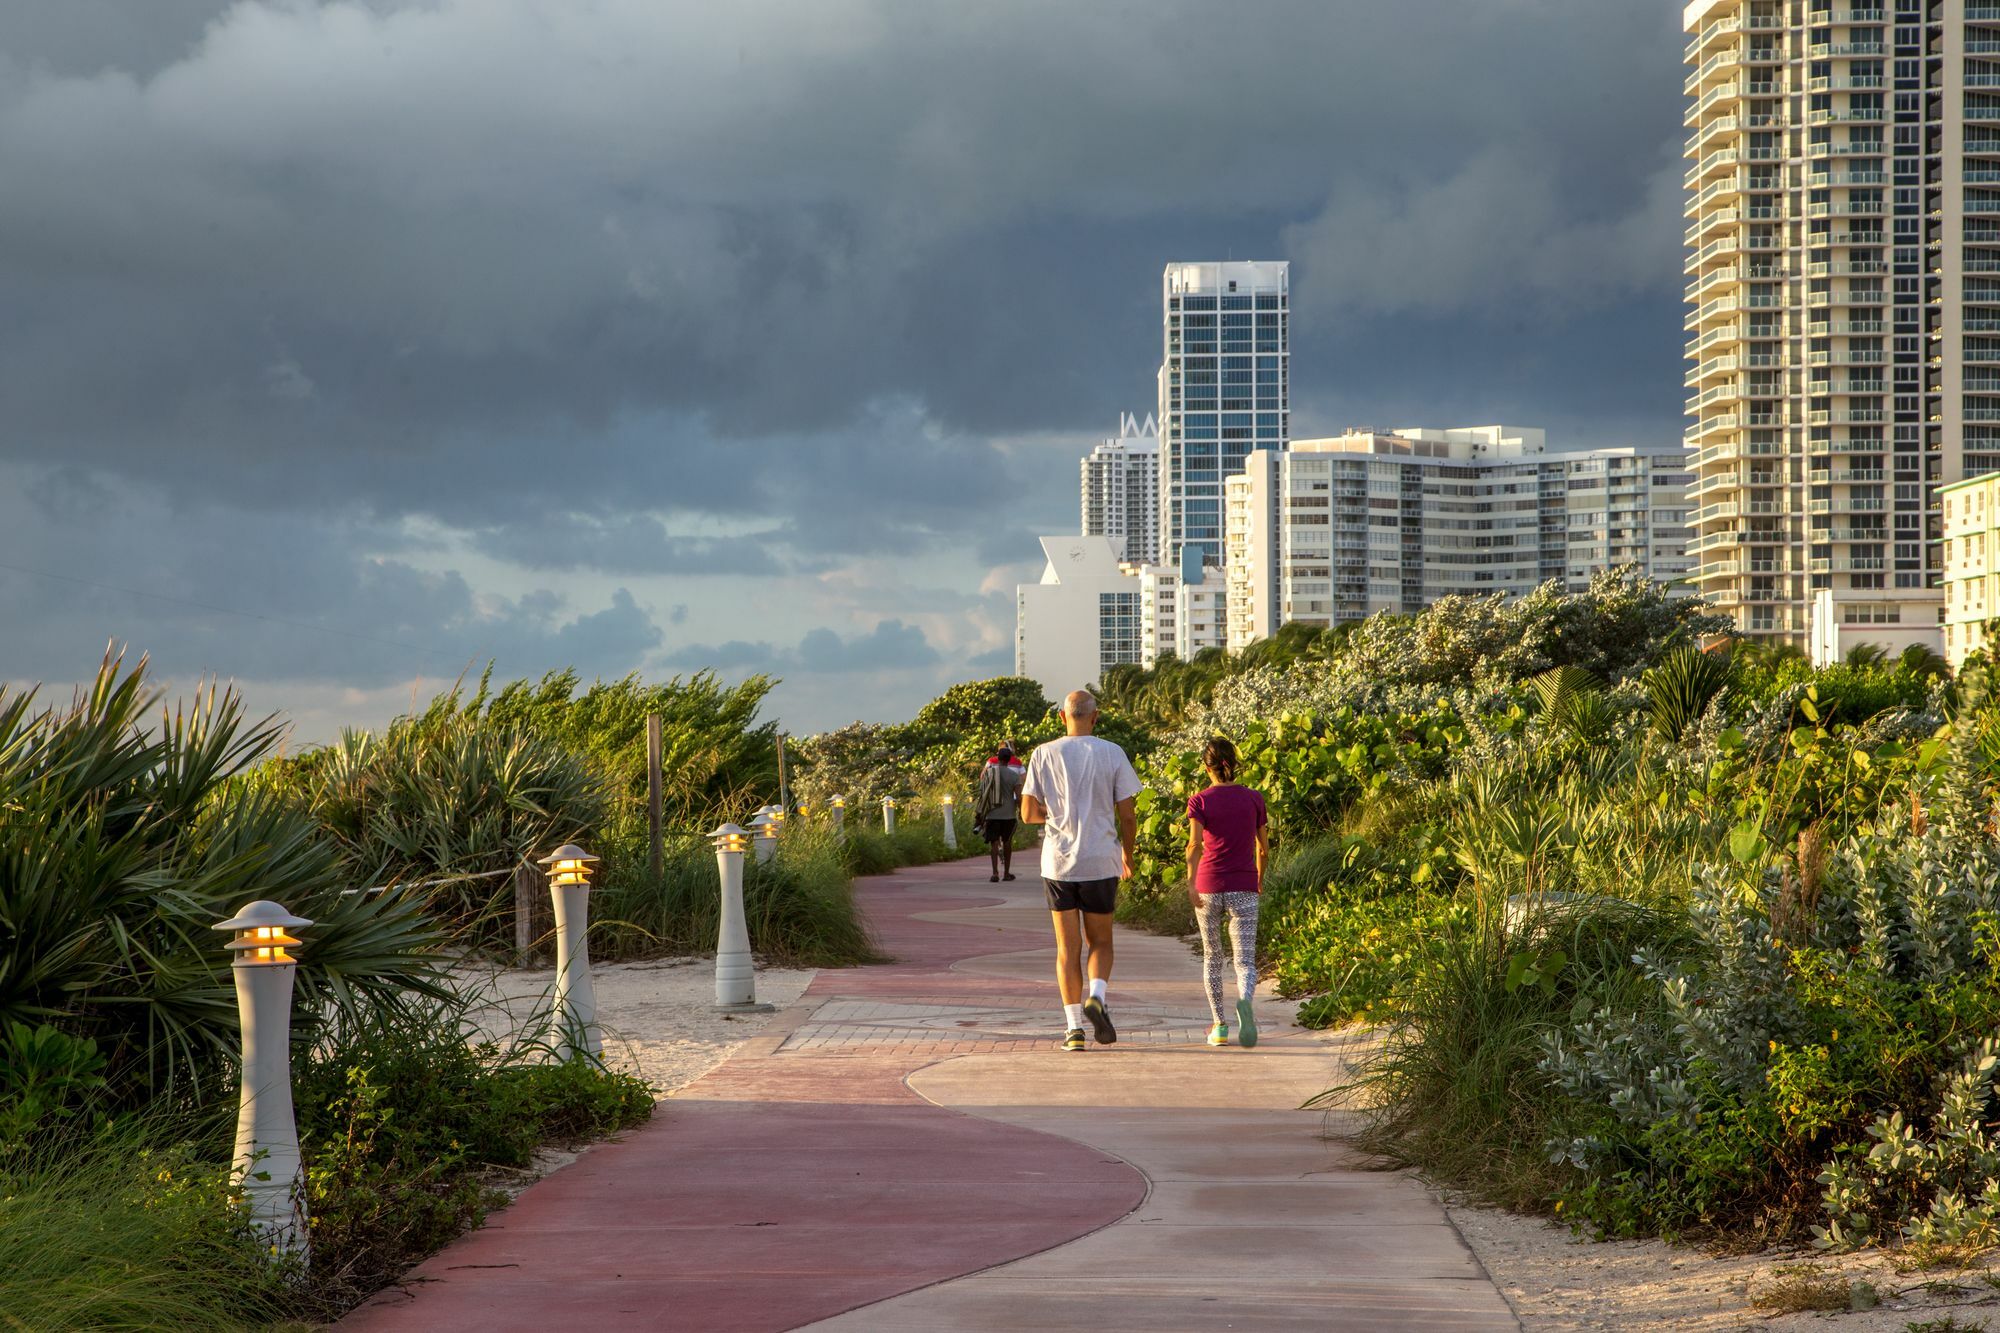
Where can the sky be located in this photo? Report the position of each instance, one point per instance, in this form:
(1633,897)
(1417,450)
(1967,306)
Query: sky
(349,347)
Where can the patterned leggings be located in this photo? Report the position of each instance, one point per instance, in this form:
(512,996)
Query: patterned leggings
(1241,909)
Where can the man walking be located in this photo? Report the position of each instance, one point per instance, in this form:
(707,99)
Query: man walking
(1084,789)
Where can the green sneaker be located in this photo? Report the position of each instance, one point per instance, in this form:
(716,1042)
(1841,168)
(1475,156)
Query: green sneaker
(1073,1041)
(1219,1035)
(1246,1023)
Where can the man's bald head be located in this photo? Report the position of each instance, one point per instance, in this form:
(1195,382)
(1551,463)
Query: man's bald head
(1080,712)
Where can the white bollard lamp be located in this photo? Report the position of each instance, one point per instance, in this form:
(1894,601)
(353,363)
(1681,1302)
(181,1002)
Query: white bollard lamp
(838,805)
(764,829)
(267,1167)
(735,973)
(950,822)
(575,1013)
(888,814)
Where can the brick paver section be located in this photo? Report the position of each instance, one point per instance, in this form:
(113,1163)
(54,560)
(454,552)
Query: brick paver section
(803,1177)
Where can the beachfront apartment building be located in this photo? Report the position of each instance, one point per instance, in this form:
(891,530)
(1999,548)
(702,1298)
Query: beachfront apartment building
(1971,513)
(1335,530)
(1842,303)
(1120,496)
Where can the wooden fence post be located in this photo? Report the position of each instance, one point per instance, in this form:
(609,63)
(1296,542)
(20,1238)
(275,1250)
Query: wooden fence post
(531,907)
(653,809)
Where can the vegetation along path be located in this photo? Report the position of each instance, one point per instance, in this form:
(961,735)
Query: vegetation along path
(907,1148)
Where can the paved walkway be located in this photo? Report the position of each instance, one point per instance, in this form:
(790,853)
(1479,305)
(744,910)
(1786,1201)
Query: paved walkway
(906,1149)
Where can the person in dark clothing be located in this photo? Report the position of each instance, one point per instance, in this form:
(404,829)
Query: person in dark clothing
(997,807)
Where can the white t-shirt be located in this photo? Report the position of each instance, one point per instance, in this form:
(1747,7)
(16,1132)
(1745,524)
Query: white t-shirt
(1079,780)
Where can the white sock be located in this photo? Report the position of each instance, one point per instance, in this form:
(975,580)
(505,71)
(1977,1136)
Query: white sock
(1073,1015)
(1097,986)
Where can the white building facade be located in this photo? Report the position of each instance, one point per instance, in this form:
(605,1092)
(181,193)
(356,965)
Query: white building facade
(1083,617)
(1843,301)
(1338,529)
(1120,496)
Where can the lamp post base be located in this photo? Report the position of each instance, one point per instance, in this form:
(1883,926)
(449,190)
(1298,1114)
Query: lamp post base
(750,1007)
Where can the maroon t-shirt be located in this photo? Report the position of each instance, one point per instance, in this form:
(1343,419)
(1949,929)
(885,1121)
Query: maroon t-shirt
(1229,817)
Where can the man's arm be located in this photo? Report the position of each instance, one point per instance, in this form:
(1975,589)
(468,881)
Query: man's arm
(1033,811)
(1128,831)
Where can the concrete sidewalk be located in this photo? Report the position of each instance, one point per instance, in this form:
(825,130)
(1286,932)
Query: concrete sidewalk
(907,1149)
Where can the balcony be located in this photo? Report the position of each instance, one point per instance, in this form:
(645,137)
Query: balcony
(1847,478)
(1715,161)
(1725,334)
(1845,328)
(1854,116)
(1714,425)
(1849,208)
(1849,504)
(1866,46)
(1853,357)
(1719,28)
(1710,129)
(1710,221)
(1846,268)
(1843,180)
(1866,148)
(1719,308)
(1846,83)
(1719,63)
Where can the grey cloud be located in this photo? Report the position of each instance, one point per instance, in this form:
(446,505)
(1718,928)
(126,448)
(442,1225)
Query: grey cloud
(891,646)
(626,544)
(244,595)
(358,282)
(1501,230)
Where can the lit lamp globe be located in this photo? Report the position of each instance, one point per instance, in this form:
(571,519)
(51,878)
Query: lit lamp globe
(266,1167)
(950,823)
(576,996)
(838,804)
(888,814)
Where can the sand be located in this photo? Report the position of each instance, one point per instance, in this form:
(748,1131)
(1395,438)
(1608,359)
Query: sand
(658,1017)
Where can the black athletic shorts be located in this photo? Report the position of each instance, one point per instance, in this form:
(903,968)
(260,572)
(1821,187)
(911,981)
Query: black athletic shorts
(1095,896)
(999,830)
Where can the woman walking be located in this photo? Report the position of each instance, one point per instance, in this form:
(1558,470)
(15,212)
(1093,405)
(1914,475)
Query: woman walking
(1228,843)
(998,806)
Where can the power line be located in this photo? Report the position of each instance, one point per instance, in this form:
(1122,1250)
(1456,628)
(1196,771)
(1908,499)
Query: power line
(220,610)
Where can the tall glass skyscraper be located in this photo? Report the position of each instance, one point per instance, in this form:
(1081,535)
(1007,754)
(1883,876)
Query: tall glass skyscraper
(1225,392)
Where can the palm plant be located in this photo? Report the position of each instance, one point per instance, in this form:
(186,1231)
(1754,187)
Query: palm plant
(121,844)
(1682,686)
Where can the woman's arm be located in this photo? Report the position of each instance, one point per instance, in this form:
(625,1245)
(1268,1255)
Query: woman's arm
(1263,852)
(1193,858)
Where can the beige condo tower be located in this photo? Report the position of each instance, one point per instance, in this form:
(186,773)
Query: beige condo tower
(1843,301)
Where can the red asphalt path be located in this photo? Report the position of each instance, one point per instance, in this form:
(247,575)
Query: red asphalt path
(787,1185)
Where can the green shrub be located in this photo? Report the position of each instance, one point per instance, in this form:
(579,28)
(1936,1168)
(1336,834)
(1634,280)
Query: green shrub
(1460,1087)
(445,794)
(799,907)
(125,839)
(401,1118)
(127,1228)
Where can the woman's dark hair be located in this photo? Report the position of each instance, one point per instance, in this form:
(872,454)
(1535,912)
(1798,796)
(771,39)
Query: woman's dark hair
(1219,757)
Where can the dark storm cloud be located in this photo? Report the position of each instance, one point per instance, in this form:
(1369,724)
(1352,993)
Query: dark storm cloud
(890,646)
(643,288)
(253,596)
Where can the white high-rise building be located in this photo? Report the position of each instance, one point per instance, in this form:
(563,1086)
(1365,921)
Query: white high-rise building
(1121,496)
(1843,299)
(1083,617)
(1225,391)
(1338,529)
